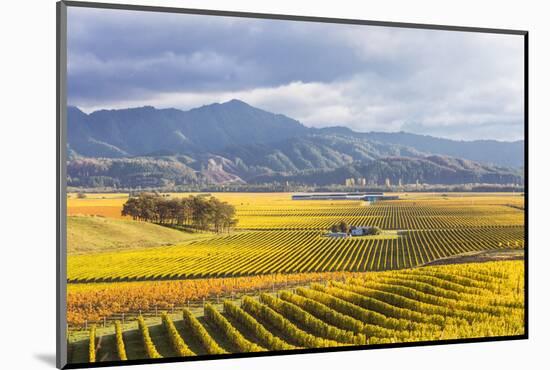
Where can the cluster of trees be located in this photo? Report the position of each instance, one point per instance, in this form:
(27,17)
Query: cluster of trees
(203,213)
(374,230)
(343,227)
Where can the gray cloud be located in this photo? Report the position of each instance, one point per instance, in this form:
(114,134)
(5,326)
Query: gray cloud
(451,84)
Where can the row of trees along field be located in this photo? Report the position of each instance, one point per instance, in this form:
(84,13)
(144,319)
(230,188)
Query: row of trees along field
(199,212)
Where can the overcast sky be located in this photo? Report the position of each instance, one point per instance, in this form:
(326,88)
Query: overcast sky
(449,84)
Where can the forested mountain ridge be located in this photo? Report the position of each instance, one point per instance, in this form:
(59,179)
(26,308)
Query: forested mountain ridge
(145,130)
(428,170)
(235,142)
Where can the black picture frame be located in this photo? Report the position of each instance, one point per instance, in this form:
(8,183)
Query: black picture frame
(61,159)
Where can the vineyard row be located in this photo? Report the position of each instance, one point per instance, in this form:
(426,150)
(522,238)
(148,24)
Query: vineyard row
(443,302)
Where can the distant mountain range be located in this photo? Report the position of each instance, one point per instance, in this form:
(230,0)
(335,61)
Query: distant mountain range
(235,142)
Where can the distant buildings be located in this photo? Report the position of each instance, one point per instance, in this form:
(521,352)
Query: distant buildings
(369,197)
(351,182)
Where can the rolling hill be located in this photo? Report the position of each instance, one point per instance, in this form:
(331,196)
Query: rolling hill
(96,234)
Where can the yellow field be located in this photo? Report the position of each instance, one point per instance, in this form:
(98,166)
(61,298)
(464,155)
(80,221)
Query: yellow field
(480,300)
(88,234)
(269,252)
(280,235)
(92,206)
(279,211)
(355,290)
(120,297)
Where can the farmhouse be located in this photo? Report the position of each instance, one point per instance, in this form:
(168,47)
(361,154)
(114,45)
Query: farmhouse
(352,231)
(360,230)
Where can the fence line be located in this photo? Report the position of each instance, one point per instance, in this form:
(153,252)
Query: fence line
(156,311)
